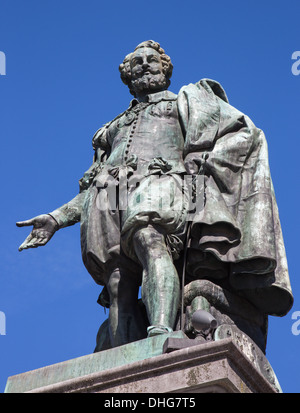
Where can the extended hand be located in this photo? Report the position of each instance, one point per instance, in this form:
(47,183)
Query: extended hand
(44,226)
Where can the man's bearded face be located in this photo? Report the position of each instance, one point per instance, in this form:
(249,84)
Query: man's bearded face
(147,71)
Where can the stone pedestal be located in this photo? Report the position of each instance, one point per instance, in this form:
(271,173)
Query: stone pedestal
(155,365)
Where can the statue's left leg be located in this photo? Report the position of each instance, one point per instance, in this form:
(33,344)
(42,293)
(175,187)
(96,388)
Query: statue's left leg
(160,284)
(126,323)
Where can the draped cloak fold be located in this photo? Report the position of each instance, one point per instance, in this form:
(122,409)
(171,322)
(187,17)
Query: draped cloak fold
(237,234)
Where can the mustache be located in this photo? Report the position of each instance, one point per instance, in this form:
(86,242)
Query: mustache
(148,70)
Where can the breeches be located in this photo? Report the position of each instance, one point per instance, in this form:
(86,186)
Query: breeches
(111,216)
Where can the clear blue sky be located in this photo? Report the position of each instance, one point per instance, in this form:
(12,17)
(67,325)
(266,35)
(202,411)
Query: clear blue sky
(62,83)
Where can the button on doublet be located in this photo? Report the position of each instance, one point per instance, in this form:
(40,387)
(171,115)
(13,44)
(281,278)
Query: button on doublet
(135,112)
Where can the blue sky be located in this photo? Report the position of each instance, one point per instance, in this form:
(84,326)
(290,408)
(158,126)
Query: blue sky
(62,83)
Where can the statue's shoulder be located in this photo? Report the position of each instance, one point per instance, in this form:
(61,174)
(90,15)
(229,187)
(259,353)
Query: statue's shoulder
(99,138)
(209,85)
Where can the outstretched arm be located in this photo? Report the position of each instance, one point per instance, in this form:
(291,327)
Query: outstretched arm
(44,227)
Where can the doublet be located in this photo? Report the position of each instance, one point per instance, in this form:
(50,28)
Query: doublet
(148,136)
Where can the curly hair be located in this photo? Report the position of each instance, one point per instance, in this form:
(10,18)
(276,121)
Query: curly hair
(125,70)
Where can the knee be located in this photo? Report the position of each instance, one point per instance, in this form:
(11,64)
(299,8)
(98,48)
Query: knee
(149,237)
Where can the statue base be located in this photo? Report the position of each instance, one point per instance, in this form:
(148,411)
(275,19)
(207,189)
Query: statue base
(168,363)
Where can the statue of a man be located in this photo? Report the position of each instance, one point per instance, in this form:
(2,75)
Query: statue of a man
(146,234)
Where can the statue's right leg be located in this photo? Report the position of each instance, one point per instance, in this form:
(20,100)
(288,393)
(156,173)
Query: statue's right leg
(126,321)
(160,285)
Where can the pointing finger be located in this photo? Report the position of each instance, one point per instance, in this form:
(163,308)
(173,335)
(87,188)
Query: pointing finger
(25,223)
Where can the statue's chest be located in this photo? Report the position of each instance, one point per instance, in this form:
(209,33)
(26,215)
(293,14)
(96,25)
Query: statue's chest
(146,126)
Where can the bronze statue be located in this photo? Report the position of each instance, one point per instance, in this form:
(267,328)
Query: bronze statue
(178,200)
